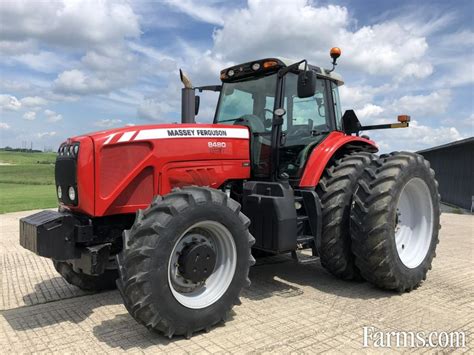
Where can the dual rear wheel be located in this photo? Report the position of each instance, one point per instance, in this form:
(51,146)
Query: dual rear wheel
(395,221)
(380,219)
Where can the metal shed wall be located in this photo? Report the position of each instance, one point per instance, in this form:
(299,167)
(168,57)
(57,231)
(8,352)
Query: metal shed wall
(453,164)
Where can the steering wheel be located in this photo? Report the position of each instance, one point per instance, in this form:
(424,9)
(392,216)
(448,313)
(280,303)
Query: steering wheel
(268,110)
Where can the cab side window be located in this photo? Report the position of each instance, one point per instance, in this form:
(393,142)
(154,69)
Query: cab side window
(337,105)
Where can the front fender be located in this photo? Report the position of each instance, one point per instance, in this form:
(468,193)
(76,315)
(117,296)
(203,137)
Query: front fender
(322,154)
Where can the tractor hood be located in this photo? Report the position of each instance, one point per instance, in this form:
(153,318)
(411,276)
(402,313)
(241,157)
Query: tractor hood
(120,170)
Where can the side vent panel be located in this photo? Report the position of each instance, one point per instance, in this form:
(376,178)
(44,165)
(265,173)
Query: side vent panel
(140,190)
(117,161)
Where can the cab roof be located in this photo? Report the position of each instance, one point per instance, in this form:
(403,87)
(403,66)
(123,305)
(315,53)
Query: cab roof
(244,70)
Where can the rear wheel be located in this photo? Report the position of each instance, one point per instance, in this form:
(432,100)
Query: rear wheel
(185,261)
(104,281)
(395,221)
(335,190)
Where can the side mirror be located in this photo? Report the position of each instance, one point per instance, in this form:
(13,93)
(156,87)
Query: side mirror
(197,101)
(306,84)
(350,122)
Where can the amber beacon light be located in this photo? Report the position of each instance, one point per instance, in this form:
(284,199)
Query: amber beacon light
(335,53)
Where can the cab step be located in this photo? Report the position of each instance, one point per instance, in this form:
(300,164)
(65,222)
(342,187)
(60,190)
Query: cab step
(304,259)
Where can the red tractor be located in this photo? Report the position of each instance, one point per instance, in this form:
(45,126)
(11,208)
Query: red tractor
(173,213)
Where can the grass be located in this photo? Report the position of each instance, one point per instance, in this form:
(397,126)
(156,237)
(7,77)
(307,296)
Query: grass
(28,183)
(33,174)
(22,197)
(27,158)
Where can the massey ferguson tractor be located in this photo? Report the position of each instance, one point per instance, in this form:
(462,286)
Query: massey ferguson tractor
(173,213)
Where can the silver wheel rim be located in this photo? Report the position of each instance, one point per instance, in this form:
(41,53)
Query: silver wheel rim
(201,295)
(414,223)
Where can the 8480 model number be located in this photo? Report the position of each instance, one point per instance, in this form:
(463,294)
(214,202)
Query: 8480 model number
(216,144)
(216,147)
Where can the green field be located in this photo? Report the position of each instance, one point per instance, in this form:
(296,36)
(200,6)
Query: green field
(27,158)
(27,182)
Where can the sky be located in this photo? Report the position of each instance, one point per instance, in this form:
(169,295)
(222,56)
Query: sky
(71,67)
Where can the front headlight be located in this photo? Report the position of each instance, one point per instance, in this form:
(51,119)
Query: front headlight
(72,193)
(60,192)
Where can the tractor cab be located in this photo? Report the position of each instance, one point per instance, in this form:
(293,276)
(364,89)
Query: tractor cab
(307,98)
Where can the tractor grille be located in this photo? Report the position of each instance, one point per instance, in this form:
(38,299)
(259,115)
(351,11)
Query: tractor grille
(65,173)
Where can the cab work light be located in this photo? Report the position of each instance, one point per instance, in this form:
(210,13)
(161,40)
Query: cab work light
(270,64)
(255,66)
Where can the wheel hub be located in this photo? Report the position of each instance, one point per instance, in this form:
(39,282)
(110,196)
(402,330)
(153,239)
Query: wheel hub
(197,262)
(414,223)
(206,238)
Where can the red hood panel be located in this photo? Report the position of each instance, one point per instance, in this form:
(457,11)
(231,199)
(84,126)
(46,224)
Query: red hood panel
(133,164)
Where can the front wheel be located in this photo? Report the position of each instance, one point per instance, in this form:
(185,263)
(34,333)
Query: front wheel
(185,261)
(395,221)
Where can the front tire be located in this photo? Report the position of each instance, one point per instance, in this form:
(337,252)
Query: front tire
(395,221)
(185,261)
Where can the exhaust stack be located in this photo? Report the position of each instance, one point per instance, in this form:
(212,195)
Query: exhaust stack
(188,100)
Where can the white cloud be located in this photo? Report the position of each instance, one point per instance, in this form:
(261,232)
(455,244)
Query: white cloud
(355,96)
(434,103)
(102,71)
(29,116)
(460,73)
(4,126)
(199,11)
(46,36)
(465,124)
(33,101)
(416,70)
(108,123)
(43,61)
(16,47)
(417,136)
(461,39)
(14,85)
(69,23)
(52,116)
(154,109)
(76,82)
(46,134)
(387,48)
(9,103)
(369,111)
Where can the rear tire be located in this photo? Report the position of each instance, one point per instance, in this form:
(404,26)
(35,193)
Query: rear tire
(395,221)
(155,289)
(105,281)
(335,189)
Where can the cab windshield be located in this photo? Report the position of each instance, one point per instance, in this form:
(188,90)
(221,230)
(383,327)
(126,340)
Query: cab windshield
(251,103)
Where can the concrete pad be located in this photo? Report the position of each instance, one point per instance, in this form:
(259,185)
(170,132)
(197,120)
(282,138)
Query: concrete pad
(290,307)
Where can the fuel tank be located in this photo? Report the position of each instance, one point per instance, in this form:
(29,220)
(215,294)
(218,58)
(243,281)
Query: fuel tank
(121,170)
